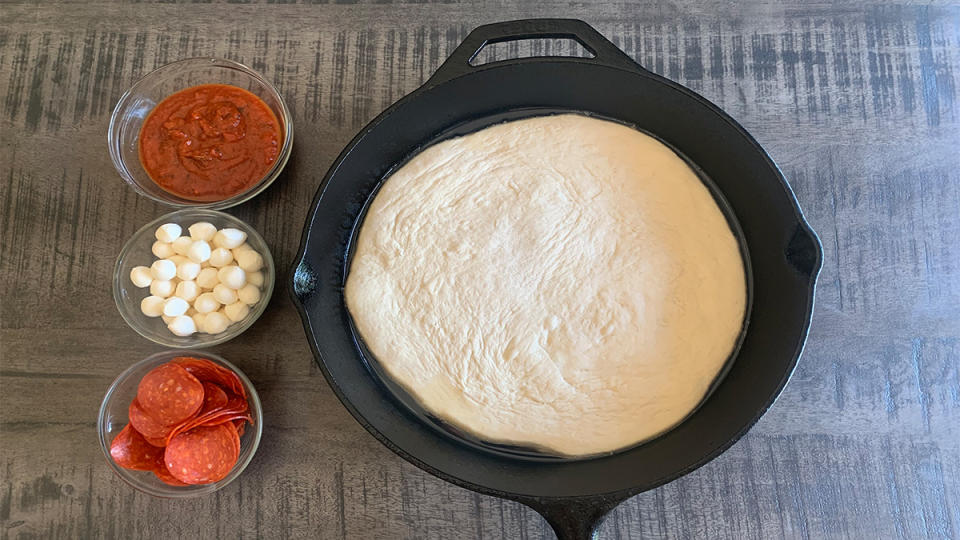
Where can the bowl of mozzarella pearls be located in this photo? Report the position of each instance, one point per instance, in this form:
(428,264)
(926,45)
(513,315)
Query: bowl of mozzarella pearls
(193,278)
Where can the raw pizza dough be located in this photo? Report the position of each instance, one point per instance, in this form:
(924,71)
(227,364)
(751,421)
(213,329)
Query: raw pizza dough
(561,282)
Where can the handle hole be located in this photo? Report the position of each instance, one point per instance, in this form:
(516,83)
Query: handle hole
(496,51)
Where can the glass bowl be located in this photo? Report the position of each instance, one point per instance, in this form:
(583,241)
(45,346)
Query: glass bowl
(123,136)
(113,418)
(137,252)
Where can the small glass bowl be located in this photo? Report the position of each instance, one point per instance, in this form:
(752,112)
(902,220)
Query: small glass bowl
(113,418)
(137,252)
(123,136)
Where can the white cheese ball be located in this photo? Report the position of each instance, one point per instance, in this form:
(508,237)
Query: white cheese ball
(207,278)
(250,261)
(141,276)
(188,270)
(241,248)
(249,294)
(163,269)
(255,278)
(232,276)
(220,257)
(236,311)
(188,290)
(229,238)
(161,250)
(206,303)
(225,295)
(175,306)
(182,245)
(215,323)
(182,326)
(198,319)
(199,252)
(168,232)
(162,288)
(152,306)
(202,231)
(177,259)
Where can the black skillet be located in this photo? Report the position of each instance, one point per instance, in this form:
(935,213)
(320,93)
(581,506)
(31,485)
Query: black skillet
(783,251)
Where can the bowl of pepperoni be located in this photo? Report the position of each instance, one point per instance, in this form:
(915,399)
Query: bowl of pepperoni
(180,424)
(200,132)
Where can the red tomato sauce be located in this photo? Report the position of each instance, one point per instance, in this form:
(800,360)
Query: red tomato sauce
(209,142)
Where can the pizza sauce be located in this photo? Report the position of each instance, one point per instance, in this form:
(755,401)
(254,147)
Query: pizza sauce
(210,142)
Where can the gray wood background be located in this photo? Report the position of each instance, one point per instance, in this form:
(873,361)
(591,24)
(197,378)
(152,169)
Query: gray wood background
(857,101)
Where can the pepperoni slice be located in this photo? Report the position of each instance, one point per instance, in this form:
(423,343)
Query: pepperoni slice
(240,425)
(213,397)
(146,424)
(202,455)
(131,451)
(170,394)
(161,472)
(205,370)
(236,436)
(159,443)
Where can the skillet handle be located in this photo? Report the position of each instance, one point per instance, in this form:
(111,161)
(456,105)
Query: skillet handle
(605,52)
(575,519)
(804,252)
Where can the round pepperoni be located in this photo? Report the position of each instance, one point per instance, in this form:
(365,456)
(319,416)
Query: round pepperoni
(146,424)
(213,397)
(130,451)
(159,443)
(161,472)
(170,394)
(241,426)
(208,371)
(202,455)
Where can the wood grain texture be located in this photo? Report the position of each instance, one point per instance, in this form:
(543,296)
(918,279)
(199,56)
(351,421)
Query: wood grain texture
(856,101)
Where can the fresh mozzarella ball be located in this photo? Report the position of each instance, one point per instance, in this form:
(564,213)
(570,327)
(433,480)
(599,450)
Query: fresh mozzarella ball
(199,251)
(177,259)
(225,295)
(250,261)
(215,323)
(205,303)
(168,232)
(182,326)
(249,294)
(241,248)
(232,276)
(182,245)
(236,311)
(229,238)
(175,306)
(202,231)
(141,276)
(152,306)
(220,257)
(198,319)
(162,288)
(161,250)
(188,270)
(188,290)
(255,278)
(163,269)
(207,278)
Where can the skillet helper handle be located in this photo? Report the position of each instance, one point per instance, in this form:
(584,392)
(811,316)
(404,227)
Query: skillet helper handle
(575,519)
(804,252)
(604,52)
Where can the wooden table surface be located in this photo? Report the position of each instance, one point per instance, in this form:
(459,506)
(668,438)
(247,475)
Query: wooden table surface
(856,101)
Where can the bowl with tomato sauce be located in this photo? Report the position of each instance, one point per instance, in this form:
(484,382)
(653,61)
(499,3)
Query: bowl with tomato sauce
(202,133)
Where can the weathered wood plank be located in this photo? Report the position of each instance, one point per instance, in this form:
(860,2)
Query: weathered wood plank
(858,103)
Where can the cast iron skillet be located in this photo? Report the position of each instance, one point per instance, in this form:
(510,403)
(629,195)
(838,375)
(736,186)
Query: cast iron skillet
(784,253)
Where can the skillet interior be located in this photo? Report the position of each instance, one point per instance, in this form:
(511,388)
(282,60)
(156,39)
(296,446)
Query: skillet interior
(516,451)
